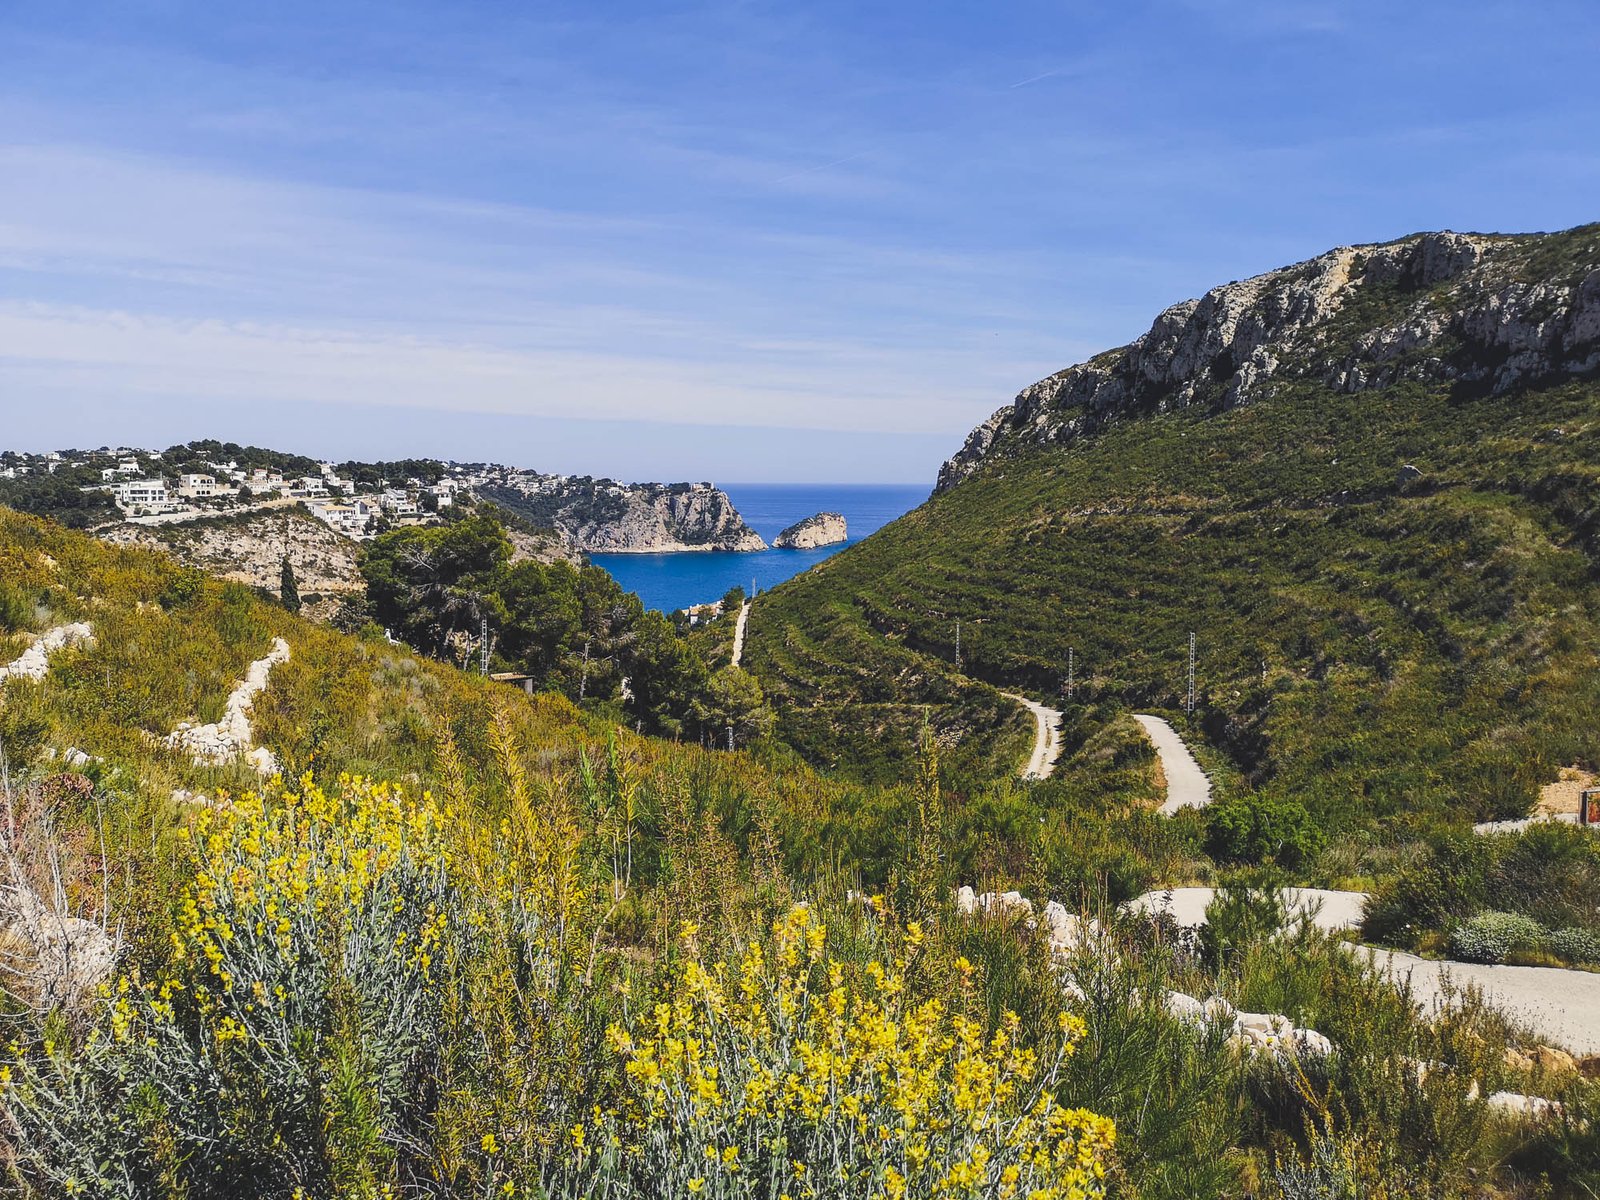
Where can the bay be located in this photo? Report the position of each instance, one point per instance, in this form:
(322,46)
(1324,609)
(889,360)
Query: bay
(673,581)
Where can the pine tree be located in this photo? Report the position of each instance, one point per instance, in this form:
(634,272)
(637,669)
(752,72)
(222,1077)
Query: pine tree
(288,589)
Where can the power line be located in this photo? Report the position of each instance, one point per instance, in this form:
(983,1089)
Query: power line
(1189,708)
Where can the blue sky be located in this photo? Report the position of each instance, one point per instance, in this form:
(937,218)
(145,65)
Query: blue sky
(735,240)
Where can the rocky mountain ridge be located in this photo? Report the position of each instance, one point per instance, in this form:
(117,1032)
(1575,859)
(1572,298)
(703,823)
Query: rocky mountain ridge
(1481,312)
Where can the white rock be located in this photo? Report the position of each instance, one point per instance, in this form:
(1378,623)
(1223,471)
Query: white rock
(966,900)
(34,662)
(1310,1042)
(1515,1104)
(1186,1007)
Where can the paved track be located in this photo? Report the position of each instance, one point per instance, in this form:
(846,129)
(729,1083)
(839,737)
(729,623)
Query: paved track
(1558,1005)
(738,632)
(1046,739)
(1187,785)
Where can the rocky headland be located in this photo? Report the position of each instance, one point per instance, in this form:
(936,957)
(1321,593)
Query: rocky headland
(601,516)
(823,529)
(1485,313)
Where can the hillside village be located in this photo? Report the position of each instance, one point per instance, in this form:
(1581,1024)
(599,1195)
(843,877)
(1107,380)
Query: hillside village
(356,499)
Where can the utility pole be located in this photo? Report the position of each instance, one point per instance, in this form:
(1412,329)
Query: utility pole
(583,684)
(1190,705)
(958,643)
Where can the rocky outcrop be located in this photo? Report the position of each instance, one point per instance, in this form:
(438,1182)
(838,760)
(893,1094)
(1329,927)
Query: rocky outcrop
(601,516)
(1482,312)
(250,550)
(34,662)
(224,741)
(47,959)
(824,529)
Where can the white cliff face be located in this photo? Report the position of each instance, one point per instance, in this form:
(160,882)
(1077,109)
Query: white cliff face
(823,529)
(1439,307)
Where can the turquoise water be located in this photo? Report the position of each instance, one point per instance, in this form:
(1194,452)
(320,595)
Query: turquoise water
(673,581)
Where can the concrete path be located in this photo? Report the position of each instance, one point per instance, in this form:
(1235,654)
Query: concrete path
(1046,739)
(1560,1006)
(1187,785)
(1333,911)
(738,632)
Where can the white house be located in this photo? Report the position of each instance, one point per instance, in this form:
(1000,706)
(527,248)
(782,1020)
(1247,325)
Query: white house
(309,485)
(398,502)
(197,486)
(128,466)
(145,494)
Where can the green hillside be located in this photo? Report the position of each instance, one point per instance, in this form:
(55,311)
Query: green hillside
(1379,644)
(474,942)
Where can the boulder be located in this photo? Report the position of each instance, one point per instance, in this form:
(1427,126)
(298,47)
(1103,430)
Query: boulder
(1554,1062)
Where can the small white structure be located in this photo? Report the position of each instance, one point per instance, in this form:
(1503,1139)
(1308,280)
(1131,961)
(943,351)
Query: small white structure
(197,486)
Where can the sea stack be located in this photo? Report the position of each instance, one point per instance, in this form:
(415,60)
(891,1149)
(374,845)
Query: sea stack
(824,529)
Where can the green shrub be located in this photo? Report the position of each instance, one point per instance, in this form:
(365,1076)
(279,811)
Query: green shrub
(1449,877)
(1575,945)
(1492,937)
(16,609)
(1257,828)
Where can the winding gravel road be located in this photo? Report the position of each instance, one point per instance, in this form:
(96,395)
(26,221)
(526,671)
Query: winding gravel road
(1046,738)
(1558,1005)
(1187,785)
(738,632)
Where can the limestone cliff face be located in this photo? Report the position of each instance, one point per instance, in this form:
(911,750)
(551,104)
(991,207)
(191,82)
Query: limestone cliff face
(1477,311)
(824,529)
(605,517)
(250,550)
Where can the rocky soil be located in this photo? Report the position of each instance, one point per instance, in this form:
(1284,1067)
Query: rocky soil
(1485,312)
(824,529)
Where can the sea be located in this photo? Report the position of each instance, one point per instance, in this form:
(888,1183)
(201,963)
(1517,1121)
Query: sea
(673,581)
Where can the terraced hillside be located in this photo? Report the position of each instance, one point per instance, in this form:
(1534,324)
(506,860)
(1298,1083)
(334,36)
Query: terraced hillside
(1368,484)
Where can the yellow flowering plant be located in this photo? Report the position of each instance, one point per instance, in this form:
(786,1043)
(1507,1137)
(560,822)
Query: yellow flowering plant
(298,1016)
(789,1074)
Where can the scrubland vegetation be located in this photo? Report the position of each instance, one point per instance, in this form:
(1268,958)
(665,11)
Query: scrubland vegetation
(480,943)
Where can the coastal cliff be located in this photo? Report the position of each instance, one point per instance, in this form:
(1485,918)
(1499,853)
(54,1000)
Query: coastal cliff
(1479,313)
(601,516)
(823,529)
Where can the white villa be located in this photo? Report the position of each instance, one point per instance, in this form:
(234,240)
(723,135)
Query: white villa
(196,486)
(142,495)
(399,502)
